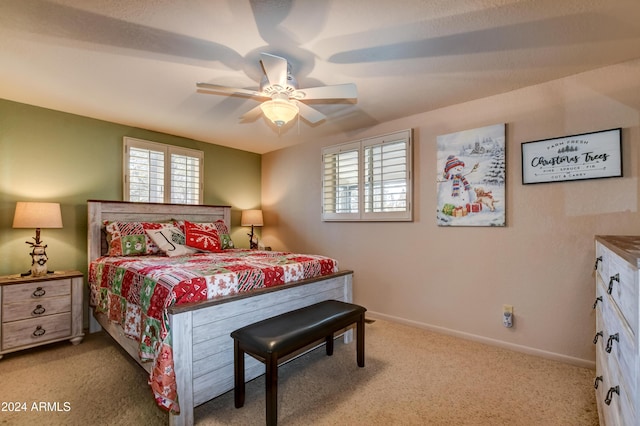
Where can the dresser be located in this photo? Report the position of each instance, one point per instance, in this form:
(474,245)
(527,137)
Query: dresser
(616,336)
(39,310)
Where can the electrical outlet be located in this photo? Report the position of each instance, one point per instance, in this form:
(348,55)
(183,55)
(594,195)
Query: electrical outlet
(507,315)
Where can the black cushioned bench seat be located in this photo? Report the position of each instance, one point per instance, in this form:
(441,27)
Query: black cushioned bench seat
(271,339)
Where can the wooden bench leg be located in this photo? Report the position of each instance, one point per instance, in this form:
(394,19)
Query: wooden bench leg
(238,374)
(360,341)
(329,344)
(271,382)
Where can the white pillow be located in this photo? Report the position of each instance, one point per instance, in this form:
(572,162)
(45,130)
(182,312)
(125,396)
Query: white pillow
(170,240)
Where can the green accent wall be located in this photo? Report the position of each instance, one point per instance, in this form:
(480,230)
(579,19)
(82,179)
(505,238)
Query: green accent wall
(52,156)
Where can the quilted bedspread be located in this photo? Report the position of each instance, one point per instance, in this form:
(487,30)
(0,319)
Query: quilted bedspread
(135,292)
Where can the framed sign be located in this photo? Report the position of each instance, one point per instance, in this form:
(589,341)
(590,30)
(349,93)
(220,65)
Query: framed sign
(577,157)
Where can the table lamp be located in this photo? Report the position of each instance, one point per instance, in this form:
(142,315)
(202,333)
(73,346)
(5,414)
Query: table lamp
(37,215)
(252,218)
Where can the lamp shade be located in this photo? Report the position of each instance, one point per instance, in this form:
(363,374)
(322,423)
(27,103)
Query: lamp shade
(251,218)
(279,111)
(37,215)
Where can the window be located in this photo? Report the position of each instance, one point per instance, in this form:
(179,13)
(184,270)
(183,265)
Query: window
(368,179)
(158,173)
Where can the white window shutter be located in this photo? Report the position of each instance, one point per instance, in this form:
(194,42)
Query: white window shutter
(368,180)
(159,173)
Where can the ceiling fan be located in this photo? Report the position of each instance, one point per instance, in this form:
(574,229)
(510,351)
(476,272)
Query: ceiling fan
(285,99)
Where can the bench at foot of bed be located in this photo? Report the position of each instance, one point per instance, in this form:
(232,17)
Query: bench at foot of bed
(274,338)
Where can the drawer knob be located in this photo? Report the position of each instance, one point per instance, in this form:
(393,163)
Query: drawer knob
(598,259)
(39,292)
(598,334)
(39,310)
(615,277)
(598,379)
(598,299)
(612,338)
(612,390)
(39,331)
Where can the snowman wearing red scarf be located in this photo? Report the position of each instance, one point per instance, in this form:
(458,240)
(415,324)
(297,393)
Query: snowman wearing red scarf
(460,193)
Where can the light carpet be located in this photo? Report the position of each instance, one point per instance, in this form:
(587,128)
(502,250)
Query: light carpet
(412,377)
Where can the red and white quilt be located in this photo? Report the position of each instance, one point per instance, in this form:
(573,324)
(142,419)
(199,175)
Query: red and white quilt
(135,292)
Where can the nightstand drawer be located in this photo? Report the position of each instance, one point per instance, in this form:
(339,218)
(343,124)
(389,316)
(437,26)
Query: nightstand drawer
(35,290)
(35,331)
(27,309)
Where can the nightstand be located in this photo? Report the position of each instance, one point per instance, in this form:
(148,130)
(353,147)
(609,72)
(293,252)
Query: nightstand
(39,310)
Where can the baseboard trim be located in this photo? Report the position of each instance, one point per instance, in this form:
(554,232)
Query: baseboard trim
(489,341)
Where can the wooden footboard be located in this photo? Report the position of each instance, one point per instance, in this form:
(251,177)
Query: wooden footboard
(203,348)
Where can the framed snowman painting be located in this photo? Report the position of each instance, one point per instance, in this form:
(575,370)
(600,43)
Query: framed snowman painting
(471,177)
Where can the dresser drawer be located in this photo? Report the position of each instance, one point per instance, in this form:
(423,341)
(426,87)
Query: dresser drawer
(35,331)
(609,414)
(612,395)
(623,287)
(617,342)
(602,256)
(35,290)
(26,309)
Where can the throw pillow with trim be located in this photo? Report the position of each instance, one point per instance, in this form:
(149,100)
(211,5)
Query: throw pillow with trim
(130,238)
(223,232)
(202,236)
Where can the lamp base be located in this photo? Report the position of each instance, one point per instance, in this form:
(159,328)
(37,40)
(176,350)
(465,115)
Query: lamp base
(253,240)
(38,260)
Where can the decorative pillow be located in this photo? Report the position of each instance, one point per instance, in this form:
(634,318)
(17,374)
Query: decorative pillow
(202,236)
(219,225)
(170,240)
(130,238)
(223,232)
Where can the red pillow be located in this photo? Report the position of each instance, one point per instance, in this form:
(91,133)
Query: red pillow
(202,236)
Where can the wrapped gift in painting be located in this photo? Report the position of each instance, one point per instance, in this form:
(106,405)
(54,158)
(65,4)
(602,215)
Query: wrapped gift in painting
(460,212)
(474,207)
(471,177)
(448,209)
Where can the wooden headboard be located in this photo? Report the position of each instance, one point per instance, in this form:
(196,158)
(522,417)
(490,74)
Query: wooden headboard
(99,211)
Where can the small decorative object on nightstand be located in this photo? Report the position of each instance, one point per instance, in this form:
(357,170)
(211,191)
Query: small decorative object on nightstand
(39,310)
(252,218)
(37,215)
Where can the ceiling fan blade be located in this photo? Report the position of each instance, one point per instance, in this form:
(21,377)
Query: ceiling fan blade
(338,91)
(275,68)
(251,115)
(311,115)
(231,90)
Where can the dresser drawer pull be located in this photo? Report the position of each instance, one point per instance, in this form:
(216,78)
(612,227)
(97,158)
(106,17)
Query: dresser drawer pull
(598,379)
(39,310)
(598,259)
(613,278)
(39,331)
(39,292)
(612,390)
(598,299)
(612,338)
(595,339)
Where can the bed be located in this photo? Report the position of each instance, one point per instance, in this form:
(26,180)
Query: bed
(198,329)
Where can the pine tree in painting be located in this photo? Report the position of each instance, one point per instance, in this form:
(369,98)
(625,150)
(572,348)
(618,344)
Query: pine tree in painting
(495,173)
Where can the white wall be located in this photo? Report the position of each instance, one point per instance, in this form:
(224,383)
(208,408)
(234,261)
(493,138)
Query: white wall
(457,279)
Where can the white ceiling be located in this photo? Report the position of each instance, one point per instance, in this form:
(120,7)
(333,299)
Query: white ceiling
(136,62)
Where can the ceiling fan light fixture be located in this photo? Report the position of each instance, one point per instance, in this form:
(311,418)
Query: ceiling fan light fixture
(279,111)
